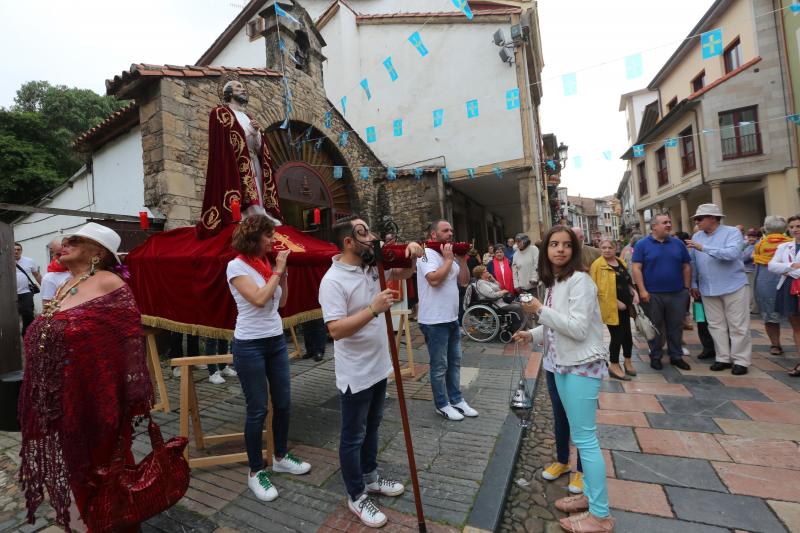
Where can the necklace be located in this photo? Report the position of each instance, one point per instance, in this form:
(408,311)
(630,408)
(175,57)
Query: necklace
(61,294)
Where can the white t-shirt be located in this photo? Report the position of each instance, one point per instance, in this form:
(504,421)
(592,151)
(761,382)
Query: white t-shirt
(254,322)
(30,266)
(363,359)
(51,282)
(437,305)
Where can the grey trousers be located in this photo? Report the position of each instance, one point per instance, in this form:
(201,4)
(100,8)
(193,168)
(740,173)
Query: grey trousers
(666,310)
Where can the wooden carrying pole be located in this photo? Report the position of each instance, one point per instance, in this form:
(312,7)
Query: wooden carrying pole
(401,398)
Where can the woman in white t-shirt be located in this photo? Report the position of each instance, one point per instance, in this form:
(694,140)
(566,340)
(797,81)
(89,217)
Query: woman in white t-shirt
(259,349)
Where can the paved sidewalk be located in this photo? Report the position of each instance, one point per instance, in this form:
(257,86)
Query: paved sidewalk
(686,451)
(451,456)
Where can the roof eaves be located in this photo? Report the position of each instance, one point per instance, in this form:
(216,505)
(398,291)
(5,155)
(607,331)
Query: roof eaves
(249,11)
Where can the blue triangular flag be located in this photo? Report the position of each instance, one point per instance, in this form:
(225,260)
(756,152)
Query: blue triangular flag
(638,150)
(512,99)
(397,127)
(364,173)
(365,86)
(794,118)
(570,82)
(416,41)
(471,173)
(328,119)
(795,7)
(445,174)
(672,142)
(498,172)
(551,164)
(281,44)
(318,144)
(438,117)
(463,6)
(344,105)
(390,68)
(371,136)
(338,172)
(343,139)
(281,13)
(633,66)
(472,109)
(285,124)
(577,161)
(391,174)
(418,173)
(607,155)
(711,43)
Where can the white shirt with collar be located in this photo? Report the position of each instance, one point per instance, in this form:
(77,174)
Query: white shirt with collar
(29,266)
(437,305)
(363,359)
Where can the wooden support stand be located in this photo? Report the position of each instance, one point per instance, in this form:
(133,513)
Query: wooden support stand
(156,374)
(404,328)
(190,409)
(296,352)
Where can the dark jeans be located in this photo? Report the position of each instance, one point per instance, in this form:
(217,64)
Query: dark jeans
(258,362)
(25,309)
(667,310)
(621,337)
(560,423)
(216,347)
(705,339)
(176,345)
(315,336)
(358,445)
(444,351)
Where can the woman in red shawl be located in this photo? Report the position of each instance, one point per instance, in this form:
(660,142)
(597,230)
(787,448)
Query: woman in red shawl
(86,378)
(500,268)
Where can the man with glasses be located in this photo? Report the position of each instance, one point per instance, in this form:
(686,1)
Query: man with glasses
(716,251)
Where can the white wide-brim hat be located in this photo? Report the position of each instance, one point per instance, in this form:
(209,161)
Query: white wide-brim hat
(105,237)
(708,210)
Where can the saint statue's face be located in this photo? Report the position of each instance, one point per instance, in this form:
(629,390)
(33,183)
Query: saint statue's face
(239,94)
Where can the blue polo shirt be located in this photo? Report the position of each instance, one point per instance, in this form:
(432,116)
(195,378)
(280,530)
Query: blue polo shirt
(662,263)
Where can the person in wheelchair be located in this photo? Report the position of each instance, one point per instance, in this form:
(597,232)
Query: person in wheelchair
(488,289)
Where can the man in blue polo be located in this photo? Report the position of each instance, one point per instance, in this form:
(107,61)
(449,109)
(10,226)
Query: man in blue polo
(662,272)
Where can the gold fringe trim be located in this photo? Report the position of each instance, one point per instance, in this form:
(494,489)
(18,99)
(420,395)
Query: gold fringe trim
(220,333)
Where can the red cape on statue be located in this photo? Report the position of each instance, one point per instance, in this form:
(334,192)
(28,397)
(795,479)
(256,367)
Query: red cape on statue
(180,284)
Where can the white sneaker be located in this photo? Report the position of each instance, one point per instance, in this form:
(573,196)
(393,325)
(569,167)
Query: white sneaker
(686,351)
(176,371)
(366,510)
(386,487)
(201,367)
(229,372)
(216,378)
(262,487)
(450,413)
(464,408)
(290,465)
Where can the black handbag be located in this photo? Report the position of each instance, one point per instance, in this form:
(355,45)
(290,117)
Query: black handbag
(33,287)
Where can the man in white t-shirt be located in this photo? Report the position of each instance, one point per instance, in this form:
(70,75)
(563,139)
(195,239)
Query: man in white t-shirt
(352,307)
(56,272)
(438,277)
(27,271)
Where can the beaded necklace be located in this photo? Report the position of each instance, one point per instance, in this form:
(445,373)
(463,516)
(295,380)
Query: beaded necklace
(54,305)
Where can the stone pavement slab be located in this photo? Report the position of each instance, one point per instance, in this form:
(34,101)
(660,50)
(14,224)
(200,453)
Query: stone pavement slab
(617,438)
(648,498)
(748,428)
(761,481)
(696,407)
(677,471)
(702,424)
(764,452)
(640,523)
(788,512)
(621,418)
(726,510)
(680,444)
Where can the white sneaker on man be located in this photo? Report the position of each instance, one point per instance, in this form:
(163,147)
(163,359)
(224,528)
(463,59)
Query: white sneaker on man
(464,408)
(229,372)
(386,487)
(366,510)
(262,487)
(216,378)
(201,367)
(450,413)
(290,464)
(176,371)
(685,351)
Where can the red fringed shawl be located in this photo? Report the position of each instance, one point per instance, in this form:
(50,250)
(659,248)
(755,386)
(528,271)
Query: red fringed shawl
(86,377)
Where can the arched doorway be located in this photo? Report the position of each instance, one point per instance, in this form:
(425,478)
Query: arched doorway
(304,176)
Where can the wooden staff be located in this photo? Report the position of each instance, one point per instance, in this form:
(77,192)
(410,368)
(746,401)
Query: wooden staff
(398,379)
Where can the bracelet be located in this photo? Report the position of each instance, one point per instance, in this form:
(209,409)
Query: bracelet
(279,274)
(371,310)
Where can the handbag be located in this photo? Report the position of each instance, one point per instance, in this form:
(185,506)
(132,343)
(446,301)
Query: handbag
(643,324)
(33,287)
(127,495)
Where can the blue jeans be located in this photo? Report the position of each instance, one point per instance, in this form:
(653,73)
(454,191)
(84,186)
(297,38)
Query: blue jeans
(358,445)
(444,351)
(560,423)
(579,395)
(257,362)
(315,336)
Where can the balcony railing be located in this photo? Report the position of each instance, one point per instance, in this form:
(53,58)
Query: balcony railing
(741,146)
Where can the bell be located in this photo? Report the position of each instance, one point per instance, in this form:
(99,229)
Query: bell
(521,399)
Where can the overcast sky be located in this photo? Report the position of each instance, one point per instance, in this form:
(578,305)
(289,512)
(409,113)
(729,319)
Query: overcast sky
(82,43)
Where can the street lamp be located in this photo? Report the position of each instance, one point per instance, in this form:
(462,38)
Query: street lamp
(563,151)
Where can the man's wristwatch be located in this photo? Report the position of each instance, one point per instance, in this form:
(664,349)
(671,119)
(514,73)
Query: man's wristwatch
(371,310)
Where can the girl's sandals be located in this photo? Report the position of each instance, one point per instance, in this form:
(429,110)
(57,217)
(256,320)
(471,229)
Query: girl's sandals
(629,369)
(775,350)
(613,374)
(795,372)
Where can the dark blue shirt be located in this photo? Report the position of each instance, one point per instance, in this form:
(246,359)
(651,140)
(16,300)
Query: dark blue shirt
(662,263)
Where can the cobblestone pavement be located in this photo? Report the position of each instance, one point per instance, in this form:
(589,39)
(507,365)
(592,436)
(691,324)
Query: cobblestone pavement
(451,456)
(686,451)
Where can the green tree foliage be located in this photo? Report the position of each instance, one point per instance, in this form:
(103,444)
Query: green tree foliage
(37,133)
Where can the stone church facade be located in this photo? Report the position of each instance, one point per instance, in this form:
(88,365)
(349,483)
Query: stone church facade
(174,105)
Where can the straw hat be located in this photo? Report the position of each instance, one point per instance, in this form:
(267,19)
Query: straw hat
(706,210)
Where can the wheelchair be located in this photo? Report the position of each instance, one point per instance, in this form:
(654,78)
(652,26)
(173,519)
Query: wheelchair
(483,320)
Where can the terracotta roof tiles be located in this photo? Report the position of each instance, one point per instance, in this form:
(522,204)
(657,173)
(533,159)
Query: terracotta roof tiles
(477,14)
(117,122)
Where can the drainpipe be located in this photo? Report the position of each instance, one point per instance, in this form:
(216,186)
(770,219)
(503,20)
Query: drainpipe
(699,148)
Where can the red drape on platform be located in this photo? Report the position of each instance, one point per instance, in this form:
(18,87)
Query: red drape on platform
(180,278)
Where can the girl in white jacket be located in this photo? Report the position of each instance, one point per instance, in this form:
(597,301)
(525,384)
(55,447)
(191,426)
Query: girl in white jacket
(572,332)
(786,262)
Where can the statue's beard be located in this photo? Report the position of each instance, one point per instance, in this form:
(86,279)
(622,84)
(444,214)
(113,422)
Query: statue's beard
(240,98)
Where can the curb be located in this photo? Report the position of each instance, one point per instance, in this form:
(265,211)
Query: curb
(487,510)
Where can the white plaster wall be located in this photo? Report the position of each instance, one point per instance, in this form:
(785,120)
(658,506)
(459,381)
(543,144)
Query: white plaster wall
(242,52)
(116,186)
